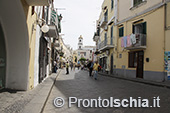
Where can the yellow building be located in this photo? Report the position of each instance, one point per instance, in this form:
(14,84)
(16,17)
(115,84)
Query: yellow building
(140,38)
(104,36)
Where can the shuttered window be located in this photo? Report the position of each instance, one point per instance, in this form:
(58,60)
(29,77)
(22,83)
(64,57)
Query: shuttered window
(111,41)
(137,2)
(112,4)
(121,32)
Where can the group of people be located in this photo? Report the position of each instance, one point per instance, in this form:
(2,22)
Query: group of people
(93,67)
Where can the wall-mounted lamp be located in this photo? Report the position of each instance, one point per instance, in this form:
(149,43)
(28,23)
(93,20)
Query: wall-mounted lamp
(44,27)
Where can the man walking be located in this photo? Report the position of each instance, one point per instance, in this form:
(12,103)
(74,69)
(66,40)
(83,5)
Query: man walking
(90,66)
(67,68)
(95,68)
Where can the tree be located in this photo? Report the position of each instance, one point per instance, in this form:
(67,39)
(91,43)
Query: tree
(82,60)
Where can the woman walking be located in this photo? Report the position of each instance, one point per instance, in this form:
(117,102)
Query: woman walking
(95,68)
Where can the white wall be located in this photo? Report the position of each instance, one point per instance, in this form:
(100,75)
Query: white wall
(13,21)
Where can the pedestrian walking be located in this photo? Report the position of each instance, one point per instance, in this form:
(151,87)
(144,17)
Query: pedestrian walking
(78,65)
(67,68)
(74,65)
(90,67)
(55,67)
(71,65)
(95,68)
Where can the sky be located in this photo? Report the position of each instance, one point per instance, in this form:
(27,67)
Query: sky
(79,18)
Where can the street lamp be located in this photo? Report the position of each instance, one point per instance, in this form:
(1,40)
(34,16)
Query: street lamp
(42,23)
(45,28)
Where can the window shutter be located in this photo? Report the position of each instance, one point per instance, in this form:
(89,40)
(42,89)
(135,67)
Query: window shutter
(121,32)
(144,27)
(133,29)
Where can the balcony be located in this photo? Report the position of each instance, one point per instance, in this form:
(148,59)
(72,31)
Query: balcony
(140,42)
(105,45)
(103,22)
(38,2)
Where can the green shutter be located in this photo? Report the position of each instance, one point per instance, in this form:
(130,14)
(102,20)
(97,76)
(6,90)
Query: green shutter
(144,27)
(121,32)
(133,29)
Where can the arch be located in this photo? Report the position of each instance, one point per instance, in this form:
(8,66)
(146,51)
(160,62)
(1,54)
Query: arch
(13,21)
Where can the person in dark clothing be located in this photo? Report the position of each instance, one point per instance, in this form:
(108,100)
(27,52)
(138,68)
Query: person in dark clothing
(67,68)
(90,66)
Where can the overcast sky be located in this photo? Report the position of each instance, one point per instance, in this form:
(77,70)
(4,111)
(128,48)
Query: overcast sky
(79,18)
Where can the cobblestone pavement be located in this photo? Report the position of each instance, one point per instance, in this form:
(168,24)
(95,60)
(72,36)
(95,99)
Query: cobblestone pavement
(79,84)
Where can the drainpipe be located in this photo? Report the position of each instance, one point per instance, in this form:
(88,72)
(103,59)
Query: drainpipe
(165,22)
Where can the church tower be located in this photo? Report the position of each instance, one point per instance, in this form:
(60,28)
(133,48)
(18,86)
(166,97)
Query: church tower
(80,42)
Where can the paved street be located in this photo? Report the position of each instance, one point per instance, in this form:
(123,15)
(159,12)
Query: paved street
(79,84)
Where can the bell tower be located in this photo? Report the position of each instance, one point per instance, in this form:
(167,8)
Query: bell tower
(80,42)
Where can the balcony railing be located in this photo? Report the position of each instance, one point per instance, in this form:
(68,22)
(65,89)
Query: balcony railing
(38,2)
(104,45)
(140,42)
(103,22)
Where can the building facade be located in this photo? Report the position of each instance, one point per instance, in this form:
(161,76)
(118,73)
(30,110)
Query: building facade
(25,46)
(137,27)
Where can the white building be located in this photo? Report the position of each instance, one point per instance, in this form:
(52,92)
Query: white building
(86,52)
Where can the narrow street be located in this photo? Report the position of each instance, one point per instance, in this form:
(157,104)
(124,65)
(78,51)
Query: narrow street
(78,84)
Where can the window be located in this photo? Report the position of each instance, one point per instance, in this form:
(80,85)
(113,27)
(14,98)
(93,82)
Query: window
(105,39)
(121,32)
(139,28)
(112,4)
(79,47)
(80,40)
(106,15)
(137,2)
(33,10)
(111,40)
(84,53)
(132,59)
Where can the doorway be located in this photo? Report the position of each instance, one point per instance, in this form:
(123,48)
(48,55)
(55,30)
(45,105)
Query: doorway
(111,65)
(2,59)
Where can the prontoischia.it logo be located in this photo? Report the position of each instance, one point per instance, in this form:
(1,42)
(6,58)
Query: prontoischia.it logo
(111,102)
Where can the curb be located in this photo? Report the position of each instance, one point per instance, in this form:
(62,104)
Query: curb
(138,80)
(49,92)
